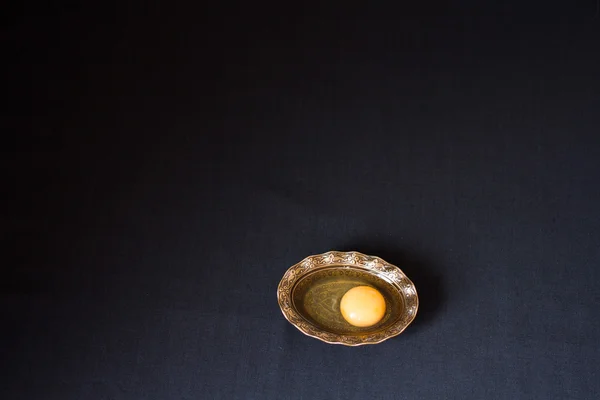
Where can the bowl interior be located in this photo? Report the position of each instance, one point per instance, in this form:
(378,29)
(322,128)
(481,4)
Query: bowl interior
(317,295)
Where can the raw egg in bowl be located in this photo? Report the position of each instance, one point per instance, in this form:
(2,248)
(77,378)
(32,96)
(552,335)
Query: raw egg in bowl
(347,298)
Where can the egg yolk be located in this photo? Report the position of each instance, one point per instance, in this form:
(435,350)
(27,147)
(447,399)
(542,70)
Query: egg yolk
(362,306)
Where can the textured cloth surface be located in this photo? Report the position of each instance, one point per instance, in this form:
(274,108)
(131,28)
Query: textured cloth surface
(170,163)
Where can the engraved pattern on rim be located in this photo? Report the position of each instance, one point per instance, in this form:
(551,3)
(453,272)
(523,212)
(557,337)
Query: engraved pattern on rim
(375,265)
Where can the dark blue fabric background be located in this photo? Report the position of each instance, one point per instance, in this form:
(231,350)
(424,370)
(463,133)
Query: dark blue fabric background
(169,163)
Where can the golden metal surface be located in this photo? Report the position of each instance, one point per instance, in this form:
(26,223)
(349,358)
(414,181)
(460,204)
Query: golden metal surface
(309,296)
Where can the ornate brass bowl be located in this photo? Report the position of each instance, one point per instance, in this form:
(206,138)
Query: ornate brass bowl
(310,292)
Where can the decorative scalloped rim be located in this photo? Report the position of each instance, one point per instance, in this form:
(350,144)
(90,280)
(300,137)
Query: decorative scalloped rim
(381,268)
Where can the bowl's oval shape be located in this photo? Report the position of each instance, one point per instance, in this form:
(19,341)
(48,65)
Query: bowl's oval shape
(310,292)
